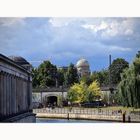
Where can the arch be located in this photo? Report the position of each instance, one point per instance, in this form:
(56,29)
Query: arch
(50,100)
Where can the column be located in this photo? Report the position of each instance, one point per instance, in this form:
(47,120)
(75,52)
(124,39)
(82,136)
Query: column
(4,94)
(1,94)
(14,94)
(30,95)
(26,94)
(7,94)
(10,94)
(18,89)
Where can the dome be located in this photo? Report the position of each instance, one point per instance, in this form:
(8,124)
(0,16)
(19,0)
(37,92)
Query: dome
(82,63)
(18,59)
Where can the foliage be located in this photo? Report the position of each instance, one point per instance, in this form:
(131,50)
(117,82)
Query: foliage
(101,77)
(77,92)
(129,87)
(94,92)
(61,76)
(80,92)
(35,80)
(71,75)
(116,68)
(105,97)
(86,79)
(45,75)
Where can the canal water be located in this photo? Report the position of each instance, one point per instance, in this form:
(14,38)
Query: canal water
(49,120)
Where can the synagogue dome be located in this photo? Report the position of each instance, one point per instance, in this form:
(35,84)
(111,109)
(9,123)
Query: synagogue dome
(82,63)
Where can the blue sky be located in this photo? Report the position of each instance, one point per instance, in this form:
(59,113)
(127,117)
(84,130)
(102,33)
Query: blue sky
(66,40)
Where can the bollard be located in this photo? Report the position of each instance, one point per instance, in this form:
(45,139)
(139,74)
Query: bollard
(124,117)
(68,116)
(129,119)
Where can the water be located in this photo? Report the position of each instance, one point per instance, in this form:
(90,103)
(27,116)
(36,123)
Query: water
(49,120)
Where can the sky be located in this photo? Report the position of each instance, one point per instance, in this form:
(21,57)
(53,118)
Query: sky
(66,40)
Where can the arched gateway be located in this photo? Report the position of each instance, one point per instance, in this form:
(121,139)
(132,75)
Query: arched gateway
(51,100)
(52,96)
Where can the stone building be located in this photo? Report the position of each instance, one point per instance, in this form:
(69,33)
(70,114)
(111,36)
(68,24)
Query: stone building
(83,67)
(15,90)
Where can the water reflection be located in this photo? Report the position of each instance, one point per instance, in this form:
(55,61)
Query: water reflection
(49,120)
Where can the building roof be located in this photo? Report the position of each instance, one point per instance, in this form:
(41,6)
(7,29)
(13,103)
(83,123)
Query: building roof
(82,63)
(19,60)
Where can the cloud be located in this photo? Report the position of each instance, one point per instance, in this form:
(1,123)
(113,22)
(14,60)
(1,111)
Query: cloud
(118,48)
(95,28)
(60,22)
(65,40)
(11,22)
(111,28)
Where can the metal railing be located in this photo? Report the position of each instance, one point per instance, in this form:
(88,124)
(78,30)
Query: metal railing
(77,111)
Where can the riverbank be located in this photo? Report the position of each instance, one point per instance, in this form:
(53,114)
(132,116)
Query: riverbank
(81,117)
(88,114)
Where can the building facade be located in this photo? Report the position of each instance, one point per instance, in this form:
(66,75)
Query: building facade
(15,90)
(83,67)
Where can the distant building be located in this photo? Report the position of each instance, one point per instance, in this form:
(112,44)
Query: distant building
(83,67)
(65,68)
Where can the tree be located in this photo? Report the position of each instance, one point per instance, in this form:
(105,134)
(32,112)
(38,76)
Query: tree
(116,68)
(61,76)
(77,92)
(94,92)
(71,75)
(80,92)
(47,73)
(86,79)
(101,77)
(129,87)
(35,80)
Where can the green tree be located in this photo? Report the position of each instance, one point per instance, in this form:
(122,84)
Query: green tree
(116,68)
(71,75)
(77,92)
(80,92)
(101,77)
(86,79)
(129,87)
(94,92)
(35,81)
(61,76)
(47,73)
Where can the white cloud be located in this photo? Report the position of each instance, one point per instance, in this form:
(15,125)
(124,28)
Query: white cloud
(117,28)
(111,28)
(118,48)
(60,22)
(95,27)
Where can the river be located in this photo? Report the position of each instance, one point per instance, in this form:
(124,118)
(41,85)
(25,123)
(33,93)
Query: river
(49,120)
